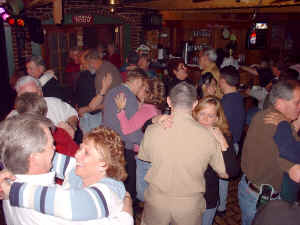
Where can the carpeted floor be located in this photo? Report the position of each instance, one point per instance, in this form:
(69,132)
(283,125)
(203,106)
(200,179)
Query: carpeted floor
(233,213)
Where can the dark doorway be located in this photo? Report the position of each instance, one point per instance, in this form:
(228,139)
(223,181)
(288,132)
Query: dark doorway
(6,92)
(99,34)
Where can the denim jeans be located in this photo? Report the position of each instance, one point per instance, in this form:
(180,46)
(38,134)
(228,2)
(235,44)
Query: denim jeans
(223,192)
(208,216)
(236,148)
(142,168)
(247,201)
(90,121)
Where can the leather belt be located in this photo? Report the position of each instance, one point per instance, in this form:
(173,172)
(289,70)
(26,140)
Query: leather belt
(252,186)
(255,188)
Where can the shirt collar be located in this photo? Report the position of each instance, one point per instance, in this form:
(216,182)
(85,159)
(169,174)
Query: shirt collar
(40,179)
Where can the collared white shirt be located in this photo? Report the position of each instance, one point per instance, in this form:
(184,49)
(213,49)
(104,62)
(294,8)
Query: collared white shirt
(58,110)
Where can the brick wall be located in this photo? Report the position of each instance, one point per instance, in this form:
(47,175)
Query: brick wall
(132,17)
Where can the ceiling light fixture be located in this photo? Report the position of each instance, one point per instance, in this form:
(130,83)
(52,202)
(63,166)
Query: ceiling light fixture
(113,5)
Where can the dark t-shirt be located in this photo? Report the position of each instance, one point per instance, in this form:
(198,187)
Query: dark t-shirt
(233,105)
(265,76)
(85,89)
(53,89)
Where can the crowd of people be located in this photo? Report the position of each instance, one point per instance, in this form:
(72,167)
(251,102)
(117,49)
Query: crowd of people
(118,139)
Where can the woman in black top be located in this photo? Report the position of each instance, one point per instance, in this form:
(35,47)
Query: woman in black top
(209,113)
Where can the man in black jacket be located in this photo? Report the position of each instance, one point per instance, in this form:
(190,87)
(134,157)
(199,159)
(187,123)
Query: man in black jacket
(36,68)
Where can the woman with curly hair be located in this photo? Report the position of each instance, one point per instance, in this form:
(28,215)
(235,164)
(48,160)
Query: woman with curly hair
(210,114)
(93,187)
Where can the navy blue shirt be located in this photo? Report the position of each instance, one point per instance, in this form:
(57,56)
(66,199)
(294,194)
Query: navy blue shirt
(234,110)
(289,147)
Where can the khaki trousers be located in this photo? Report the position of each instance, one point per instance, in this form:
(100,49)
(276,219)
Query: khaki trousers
(162,209)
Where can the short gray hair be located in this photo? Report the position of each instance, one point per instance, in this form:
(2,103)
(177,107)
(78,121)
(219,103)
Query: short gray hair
(183,95)
(283,89)
(20,136)
(25,80)
(38,60)
(31,103)
(211,54)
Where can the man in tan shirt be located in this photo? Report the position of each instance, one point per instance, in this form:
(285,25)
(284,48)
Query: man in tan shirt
(261,162)
(179,156)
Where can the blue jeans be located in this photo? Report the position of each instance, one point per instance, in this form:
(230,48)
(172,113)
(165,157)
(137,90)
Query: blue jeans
(236,148)
(247,201)
(208,216)
(142,168)
(223,192)
(90,121)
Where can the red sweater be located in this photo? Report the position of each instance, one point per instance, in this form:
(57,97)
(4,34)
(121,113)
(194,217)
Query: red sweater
(64,144)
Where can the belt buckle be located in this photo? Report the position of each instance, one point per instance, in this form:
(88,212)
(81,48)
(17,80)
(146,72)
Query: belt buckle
(253,187)
(273,193)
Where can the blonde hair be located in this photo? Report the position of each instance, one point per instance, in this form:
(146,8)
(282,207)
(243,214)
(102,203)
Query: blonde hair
(109,143)
(221,123)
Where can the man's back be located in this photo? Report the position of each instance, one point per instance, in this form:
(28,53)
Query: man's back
(110,114)
(180,156)
(234,110)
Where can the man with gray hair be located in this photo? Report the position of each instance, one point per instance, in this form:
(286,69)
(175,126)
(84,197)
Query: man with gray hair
(262,165)
(58,110)
(36,67)
(101,68)
(27,149)
(179,155)
(207,63)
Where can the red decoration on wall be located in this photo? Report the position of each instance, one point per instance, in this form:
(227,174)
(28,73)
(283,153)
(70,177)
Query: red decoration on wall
(83,19)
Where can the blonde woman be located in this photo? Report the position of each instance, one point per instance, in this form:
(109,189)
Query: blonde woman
(210,114)
(93,187)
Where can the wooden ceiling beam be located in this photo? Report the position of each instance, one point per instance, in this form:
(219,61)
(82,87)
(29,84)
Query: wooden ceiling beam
(164,5)
(36,3)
